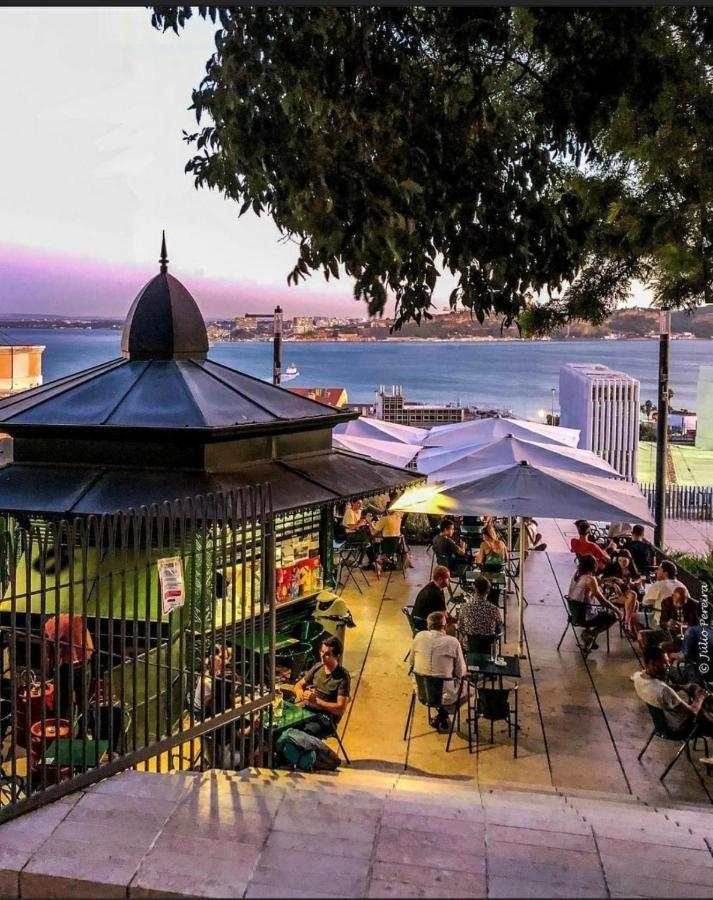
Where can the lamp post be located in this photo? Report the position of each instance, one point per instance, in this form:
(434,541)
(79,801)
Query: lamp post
(277,346)
(276,317)
(554,391)
(662,426)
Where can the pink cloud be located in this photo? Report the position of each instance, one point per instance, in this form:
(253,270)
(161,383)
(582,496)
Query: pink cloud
(38,281)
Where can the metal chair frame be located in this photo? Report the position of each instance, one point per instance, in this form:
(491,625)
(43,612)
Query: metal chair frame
(576,618)
(415,628)
(511,718)
(350,554)
(433,702)
(666,733)
(396,556)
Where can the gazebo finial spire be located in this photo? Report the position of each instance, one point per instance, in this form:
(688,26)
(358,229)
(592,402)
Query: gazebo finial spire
(164,256)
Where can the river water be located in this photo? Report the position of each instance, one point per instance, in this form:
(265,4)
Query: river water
(514,375)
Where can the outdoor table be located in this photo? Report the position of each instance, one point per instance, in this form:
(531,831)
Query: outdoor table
(482,664)
(293,716)
(59,750)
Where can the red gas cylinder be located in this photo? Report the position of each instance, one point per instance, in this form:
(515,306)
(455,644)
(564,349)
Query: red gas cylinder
(54,728)
(38,699)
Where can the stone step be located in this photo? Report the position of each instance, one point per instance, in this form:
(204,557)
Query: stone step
(273,833)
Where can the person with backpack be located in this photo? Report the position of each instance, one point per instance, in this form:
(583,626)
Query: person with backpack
(325,689)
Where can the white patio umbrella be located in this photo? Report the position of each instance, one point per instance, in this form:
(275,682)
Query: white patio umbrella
(525,490)
(483,431)
(448,463)
(365,427)
(390,452)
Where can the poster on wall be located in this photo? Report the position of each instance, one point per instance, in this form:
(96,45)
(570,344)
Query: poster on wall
(173,593)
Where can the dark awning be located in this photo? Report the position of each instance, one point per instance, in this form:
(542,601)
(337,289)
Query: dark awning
(310,480)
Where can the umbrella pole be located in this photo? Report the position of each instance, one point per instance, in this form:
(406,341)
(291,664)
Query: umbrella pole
(508,588)
(521,596)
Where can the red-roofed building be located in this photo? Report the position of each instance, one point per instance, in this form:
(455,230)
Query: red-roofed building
(334,396)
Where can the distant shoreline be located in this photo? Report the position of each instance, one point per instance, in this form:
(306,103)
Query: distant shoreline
(35,325)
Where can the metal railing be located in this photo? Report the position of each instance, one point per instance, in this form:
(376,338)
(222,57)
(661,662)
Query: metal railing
(683,501)
(144,638)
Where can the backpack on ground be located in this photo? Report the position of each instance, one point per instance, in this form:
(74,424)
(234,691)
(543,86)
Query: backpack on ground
(293,754)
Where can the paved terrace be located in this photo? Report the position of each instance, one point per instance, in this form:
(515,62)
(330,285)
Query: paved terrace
(574,815)
(582,723)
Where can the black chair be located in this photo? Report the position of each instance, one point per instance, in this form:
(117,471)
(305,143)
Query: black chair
(335,734)
(481,643)
(113,724)
(295,657)
(415,623)
(577,618)
(349,556)
(455,582)
(493,704)
(392,552)
(664,731)
(428,690)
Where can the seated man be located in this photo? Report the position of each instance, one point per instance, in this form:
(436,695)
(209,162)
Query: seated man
(478,616)
(665,584)
(640,549)
(585,546)
(325,688)
(434,652)
(678,613)
(680,711)
(354,515)
(457,555)
(431,597)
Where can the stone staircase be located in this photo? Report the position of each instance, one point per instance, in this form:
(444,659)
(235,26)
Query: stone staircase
(354,833)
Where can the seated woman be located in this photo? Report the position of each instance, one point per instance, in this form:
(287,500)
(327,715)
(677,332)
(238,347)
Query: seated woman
(622,576)
(600,613)
(492,553)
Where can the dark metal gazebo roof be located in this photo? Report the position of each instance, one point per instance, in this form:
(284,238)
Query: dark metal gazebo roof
(164,383)
(163,395)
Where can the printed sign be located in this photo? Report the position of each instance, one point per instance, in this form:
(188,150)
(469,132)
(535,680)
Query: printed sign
(170,573)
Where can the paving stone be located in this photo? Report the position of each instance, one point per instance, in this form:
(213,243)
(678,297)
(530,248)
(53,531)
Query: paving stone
(499,886)
(309,882)
(345,847)
(430,878)
(419,848)
(538,838)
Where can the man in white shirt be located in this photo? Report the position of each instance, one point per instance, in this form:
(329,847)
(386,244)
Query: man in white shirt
(680,713)
(434,652)
(664,586)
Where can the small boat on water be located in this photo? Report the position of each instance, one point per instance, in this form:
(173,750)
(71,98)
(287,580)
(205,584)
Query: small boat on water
(290,372)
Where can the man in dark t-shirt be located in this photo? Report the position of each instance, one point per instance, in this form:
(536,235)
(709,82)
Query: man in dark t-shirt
(641,550)
(325,689)
(445,547)
(431,597)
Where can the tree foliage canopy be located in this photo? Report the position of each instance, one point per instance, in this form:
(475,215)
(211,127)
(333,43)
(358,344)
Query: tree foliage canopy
(498,143)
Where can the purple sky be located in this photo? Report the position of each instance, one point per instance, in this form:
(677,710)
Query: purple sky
(34,281)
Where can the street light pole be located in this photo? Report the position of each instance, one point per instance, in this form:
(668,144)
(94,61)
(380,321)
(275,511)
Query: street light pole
(277,346)
(662,427)
(552,421)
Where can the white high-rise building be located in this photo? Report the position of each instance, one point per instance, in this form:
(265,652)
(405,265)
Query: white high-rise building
(704,409)
(604,405)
